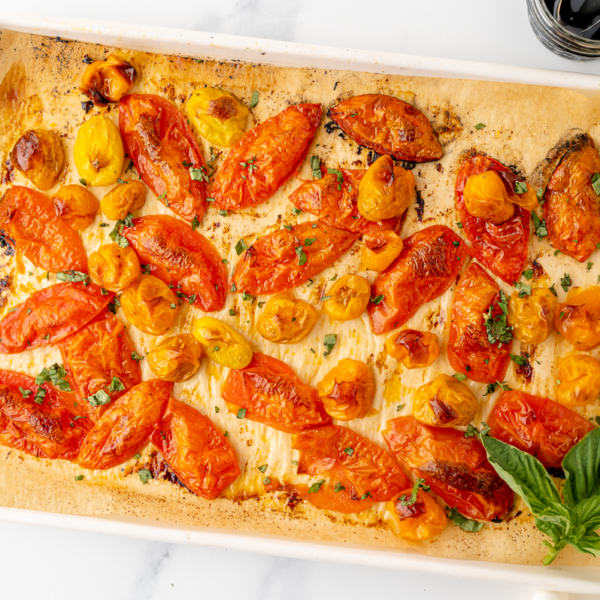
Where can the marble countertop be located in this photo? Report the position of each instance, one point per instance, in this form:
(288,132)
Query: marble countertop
(56,564)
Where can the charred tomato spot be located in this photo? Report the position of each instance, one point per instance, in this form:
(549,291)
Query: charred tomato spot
(462,478)
(222,108)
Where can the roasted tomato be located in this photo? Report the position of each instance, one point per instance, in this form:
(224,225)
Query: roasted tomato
(416,521)
(165,153)
(381,250)
(218,115)
(266,157)
(578,318)
(348,298)
(45,239)
(107,80)
(426,268)
(347,391)
(480,341)
(75,205)
(413,349)
(538,426)
(286,320)
(98,152)
(532,316)
(578,379)
(454,466)
(50,315)
(283,260)
(388,126)
(502,247)
(222,343)
(270,393)
(359,472)
(150,305)
(39,156)
(181,257)
(175,358)
(123,199)
(114,268)
(126,425)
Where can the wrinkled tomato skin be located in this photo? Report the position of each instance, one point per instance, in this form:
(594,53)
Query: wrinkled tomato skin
(454,466)
(44,238)
(54,429)
(179,255)
(196,449)
(536,425)
(271,264)
(468,344)
(272,394)
(275,150)
(501,248)
(389,126)
(125,426)
(158,139)
(56,311)
(425,269)
(368,469)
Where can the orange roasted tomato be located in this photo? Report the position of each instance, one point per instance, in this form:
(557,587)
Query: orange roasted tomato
(107,80)
(50,315)
(196,449)
(456,467)
(539,426)
(353,471)
(286,320)
(502,246)
(75,205)
(480,340)
(269,392)
(39,156)
(532,315)
(578,318)
(165,153)
(426,268)
(348,298)
(182,258)
(413,349)
(123,199)
(265,158)
(347,391)
(416,520)
(175,358)
(283,260)
(381,250)
(126,425)
(45,239)
(114,268)
(388,125)
(578,380)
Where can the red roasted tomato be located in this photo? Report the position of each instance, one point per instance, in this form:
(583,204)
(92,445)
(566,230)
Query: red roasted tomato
(266,157)
(271,393)
(197,451)
(178,255)
(454,466)
(426,268)
(165,153)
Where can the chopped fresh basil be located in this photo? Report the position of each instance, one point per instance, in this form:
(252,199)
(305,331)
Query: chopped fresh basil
(254,99)
(315,165)
(195,223)
(496,326)
(263,468)
(329,342)
(72,276)
(596,183)
(377,299)
(479,126)
(145,475)
(99,398)
(524,289)
(241,413)
(315,487)
(565,282)
(459,376)
(465,524)
(241,246)
(520,187)
(137,357)
(539,226)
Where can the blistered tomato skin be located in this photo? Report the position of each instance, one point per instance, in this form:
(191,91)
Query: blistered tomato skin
(114,268)
(265,158)
(222,343)
(578,318)
(456,467)
(418,522)
(107,80)
(123,199)
(388,125)
(45,239)
(286,320)
(165,153)
(75,205)
(348,298)
(39,156)
(536,425)
(578,378)
(426,268)
(381,250)
(413,349)
(175,358)
(197,451)
(532,316)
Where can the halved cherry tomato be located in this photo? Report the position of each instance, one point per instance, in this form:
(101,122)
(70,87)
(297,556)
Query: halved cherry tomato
(107,80)
(348,298)
(578,318)
(182,257)
(271,393)
(266,157)
(196,449)
(413,349)
(165,153)
(578,379)
(222,343)
(286,319)
(75,205)
(419,521)
(175,358)
(39,156)
(425,269)
(456,467)
(40,235)
(381,250)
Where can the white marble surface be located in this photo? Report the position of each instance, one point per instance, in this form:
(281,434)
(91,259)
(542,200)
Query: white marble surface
(38,562)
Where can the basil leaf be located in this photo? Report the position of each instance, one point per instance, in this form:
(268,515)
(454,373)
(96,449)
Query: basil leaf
(587,513)
(465,524)
(582,470)
(589,543)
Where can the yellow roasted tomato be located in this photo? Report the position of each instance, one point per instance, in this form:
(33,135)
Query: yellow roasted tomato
(98,151)
(486,197)
(578,318)
(150,305)
(219,116)
(578,379)
(413,349)
(286,320)
(348,298)
(176,358)
(123,199)
(39,156)
(532,315)
(416,521)
(222,343)
(75,205)
(114,268)
(107,80)
(444,402)
(381,250)
(347,391)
